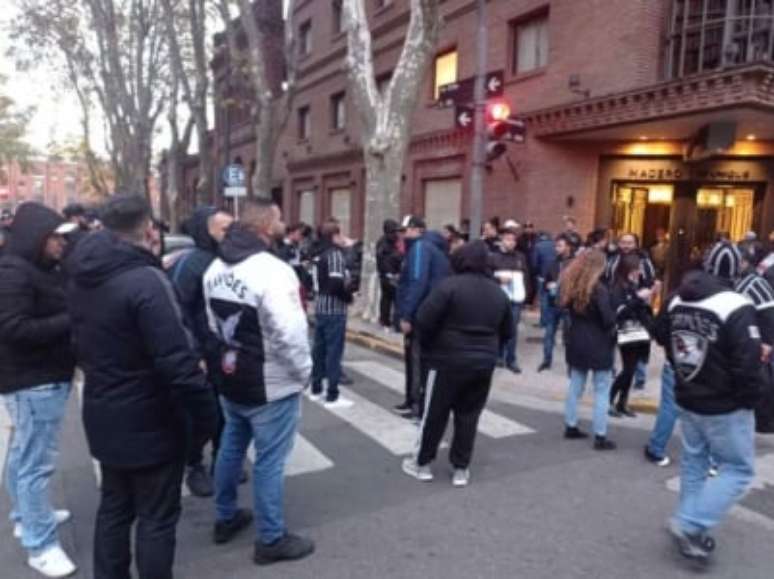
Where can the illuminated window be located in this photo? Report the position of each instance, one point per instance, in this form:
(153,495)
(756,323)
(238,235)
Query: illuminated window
(530,44)
(445,71)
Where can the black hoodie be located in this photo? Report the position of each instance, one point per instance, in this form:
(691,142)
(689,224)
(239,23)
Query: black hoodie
(187,274)
(467,317)
(144,388)
(34,324)
(714,345)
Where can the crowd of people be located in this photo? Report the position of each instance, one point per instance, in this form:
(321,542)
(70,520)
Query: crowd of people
(211,347)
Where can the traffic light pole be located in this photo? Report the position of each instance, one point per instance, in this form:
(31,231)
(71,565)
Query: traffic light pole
(479,138)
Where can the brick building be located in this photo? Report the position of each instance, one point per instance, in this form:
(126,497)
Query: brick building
(641,114)
(52,182)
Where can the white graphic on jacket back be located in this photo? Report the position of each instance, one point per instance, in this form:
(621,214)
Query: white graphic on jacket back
(237,330)
(689,351)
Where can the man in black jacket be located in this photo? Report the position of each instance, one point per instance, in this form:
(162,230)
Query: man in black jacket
(334,294)
(463,324)
(207,226)
(36,367)
(144,391)
(388,264)
(715,346)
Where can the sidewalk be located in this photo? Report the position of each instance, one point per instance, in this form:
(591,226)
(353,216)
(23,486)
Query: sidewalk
(550,384)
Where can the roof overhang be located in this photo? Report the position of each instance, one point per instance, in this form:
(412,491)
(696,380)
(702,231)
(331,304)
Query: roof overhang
(673,110)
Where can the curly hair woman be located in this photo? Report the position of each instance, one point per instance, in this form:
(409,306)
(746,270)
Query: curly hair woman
(590,342)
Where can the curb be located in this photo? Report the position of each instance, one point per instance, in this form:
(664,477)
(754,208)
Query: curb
(382,346)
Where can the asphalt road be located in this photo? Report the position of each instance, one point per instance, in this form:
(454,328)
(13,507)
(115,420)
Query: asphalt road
(538,506)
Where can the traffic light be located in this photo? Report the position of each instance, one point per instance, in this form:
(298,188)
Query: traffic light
(500,128)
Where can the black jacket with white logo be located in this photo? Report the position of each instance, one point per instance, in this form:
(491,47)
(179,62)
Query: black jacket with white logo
(715,347)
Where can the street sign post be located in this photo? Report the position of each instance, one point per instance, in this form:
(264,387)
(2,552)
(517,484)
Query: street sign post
(234,184)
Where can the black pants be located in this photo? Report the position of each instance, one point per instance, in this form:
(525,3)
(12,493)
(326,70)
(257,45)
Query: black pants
(385,303)
(149,496)
(631,354)
(464,392)
(196,449)
(416,372)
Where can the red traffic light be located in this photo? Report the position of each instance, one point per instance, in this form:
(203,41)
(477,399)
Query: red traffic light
(498,111)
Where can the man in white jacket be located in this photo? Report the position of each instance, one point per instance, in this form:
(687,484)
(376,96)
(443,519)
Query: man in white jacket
(254,308)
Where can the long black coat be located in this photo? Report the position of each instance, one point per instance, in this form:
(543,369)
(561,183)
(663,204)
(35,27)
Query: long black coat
(144,388)
(591,335)
(34,324)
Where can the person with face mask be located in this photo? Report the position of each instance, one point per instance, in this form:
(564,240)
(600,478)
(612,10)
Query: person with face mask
(388,262)
(207,227)
(36,367)
(144,392)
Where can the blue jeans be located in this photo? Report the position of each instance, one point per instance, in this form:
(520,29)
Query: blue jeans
(509,349)
(329,335)
(668,413)
(36,414)
(730,440)
(552,319)
(603,380)
(272,429)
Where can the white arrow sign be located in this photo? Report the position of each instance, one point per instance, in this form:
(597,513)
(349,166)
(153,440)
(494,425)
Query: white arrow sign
(494,84)
(464,119)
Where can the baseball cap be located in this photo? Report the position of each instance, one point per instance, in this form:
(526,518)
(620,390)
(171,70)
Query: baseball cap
(414,221)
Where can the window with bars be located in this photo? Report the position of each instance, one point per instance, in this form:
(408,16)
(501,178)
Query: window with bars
(708,35)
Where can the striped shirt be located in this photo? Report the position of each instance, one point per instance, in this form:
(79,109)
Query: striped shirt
(331,282)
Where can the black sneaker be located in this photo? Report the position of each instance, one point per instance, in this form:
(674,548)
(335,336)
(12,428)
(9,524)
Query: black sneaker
(346,380)
(639,385)
(288,548)
(602,443)
(626,411)
(404,408)
(227,530)
(574,433)
(199,481)
(612,412)
(514,368)
(544,366)
(696,548)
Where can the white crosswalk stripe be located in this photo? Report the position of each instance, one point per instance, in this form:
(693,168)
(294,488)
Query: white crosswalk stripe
(304,458)
(490,424)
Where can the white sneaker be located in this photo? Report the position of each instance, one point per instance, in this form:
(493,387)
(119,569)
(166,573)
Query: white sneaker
(461,477)
(411,468)
(53,562)
(60,516)
(339,403)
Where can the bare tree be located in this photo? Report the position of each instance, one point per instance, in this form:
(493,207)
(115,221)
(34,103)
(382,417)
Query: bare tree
(272,101)
(386,116)
(115,52)
(186,28)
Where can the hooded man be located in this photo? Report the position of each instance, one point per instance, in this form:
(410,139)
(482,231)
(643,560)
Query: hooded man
(254,308)
(36,367)
(207,226)
(463,324)
(388,263)
(144,391)
(715,346)
(425,265)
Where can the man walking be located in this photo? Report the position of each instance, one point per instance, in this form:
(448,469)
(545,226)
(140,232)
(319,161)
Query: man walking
(254,307)
(144,391)
(334,294)
(207,227)
(716,350)
(511,271)
(424,267)
(36,366)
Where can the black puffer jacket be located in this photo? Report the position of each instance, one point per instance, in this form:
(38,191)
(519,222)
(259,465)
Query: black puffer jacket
(591,335)
(466,318)
(144,388)
(34,324)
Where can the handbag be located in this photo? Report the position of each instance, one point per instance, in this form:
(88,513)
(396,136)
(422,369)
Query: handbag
(631,332)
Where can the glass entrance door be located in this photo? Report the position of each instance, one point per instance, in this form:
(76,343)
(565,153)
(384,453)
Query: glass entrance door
(726,212)
(642,209)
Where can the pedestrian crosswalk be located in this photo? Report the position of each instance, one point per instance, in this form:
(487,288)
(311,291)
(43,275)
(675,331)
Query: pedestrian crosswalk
(368,417)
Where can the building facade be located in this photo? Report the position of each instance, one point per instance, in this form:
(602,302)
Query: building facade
(50,181)
(641,115)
